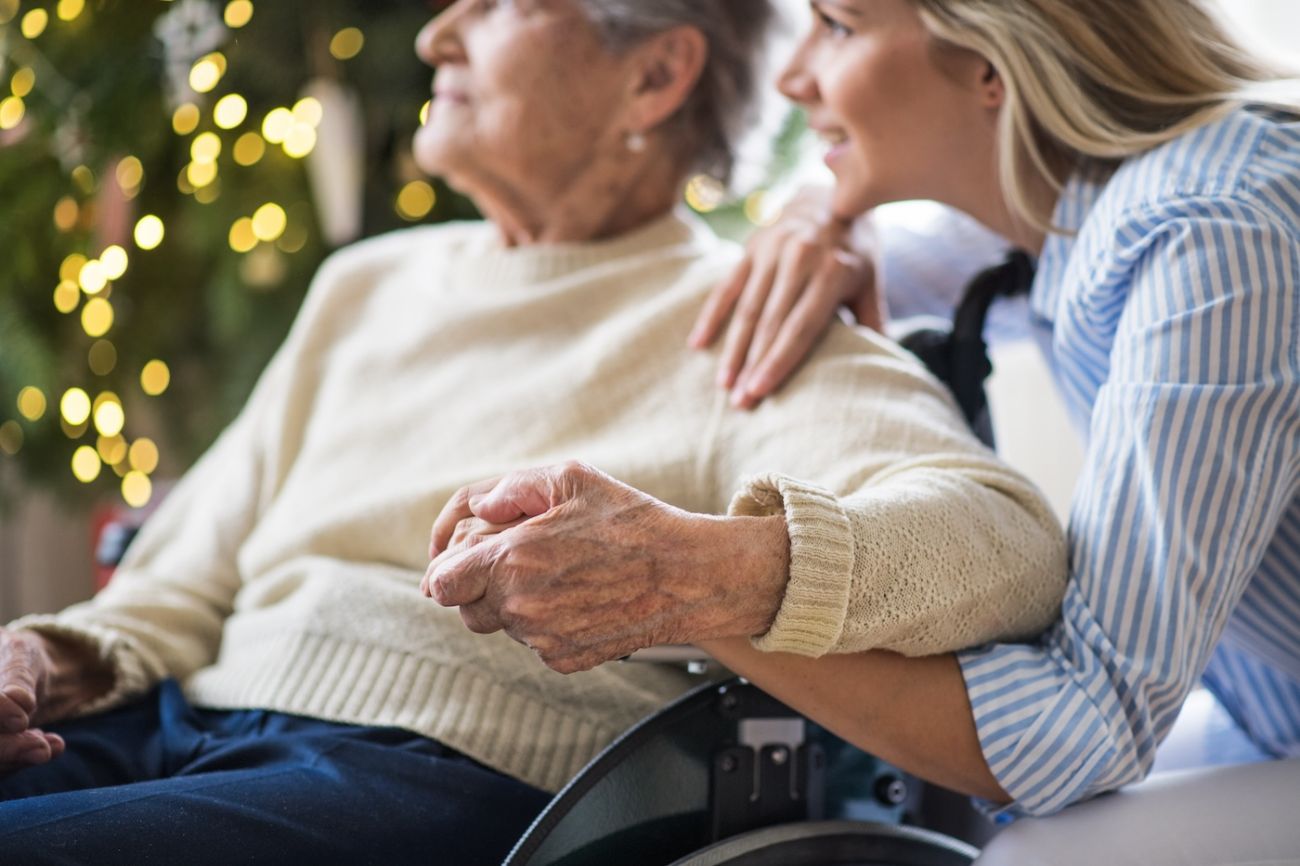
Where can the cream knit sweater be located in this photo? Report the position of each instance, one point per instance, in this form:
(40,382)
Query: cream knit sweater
(283,572)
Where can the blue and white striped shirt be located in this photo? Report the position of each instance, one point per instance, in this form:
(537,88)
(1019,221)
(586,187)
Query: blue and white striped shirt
(1174,317)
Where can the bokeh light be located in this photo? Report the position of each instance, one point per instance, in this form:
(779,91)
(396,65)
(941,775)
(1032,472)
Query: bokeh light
(155,377)
(185,119)
(238,13)
(347,43)
(144,455)
(249,149)
(32,403)
(242,236)
(86,464)
(149,232)
(230,111)
(416,200)
(108,414)
(34,23)
(11,437)
(23,81)
(97,317)
(102,357)
(67,295)
(137,489)
(115,261)
(269,222)
(74,407)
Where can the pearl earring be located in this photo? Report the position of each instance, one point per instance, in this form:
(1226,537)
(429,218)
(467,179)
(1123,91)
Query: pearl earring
(635,142)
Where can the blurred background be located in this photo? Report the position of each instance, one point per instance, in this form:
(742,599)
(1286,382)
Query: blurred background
(172,172)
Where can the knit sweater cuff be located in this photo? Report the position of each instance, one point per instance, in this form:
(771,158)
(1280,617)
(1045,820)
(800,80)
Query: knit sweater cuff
(117,652)
(816,601)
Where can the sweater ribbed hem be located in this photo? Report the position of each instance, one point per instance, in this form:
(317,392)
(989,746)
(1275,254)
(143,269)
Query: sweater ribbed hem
(357,683)
(816,602)
(130,679)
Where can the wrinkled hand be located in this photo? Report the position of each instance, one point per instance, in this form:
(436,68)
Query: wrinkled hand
(795,276)
(584,569)
(24,672)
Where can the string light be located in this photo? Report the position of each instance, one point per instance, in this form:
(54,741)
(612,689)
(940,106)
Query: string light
(309,111)
(238,13)
(86,464)
(32,403)
(137,489)
(12,112)
(34,22)
(704,194)
(115,262)
(242,237)
(206,148)
(415,200)
(93,277)
(67,295)
(149,232)
(207,71)
(277,125)
(301,141)
(108,414)
(143,456)
(83,177)
(185,119)
(66,214)
(11,437)
(97,317)
(269,222)
(230,111)
(130,173)
(249,149)
(111,449)
(74,407)
(347,43)
(71,267)
(69,10)
(23,82)
(155,377)
(102,357)
(200,174)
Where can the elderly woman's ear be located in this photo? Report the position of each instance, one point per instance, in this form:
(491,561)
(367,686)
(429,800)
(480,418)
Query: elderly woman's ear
(668,66)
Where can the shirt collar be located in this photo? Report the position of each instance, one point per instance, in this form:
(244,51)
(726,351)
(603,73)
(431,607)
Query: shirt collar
(1077,200)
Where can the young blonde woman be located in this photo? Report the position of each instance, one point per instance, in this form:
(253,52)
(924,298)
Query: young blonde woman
(1151,166)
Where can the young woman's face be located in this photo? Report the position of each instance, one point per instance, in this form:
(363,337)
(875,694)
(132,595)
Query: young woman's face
(903,116)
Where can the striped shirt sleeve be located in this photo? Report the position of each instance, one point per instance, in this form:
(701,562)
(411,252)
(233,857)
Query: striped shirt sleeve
(1194,456)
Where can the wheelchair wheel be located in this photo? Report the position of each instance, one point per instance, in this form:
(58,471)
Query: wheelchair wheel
(835,843)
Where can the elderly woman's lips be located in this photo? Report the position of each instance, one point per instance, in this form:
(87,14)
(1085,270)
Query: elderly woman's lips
(450,97)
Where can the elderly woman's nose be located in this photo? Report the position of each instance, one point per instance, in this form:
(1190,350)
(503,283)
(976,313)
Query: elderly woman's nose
(438,41)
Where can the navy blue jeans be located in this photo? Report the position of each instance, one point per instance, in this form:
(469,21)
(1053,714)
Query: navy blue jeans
(159,782)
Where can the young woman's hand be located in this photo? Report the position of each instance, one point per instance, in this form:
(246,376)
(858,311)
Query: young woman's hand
(794,278)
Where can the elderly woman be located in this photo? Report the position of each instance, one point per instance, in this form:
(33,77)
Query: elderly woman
(263,668)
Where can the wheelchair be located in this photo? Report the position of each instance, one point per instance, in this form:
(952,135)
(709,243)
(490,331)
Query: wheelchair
(728,776)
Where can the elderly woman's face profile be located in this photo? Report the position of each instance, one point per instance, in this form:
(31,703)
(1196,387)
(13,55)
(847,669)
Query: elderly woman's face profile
(525,95)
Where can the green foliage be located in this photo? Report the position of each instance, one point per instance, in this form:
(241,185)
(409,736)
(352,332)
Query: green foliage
(102,93)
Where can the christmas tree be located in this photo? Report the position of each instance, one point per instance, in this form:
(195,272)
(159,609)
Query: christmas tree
(174,171)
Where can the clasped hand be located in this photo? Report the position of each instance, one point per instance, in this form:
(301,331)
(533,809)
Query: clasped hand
(584,569)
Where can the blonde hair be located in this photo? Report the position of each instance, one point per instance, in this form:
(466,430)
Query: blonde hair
(1090,83)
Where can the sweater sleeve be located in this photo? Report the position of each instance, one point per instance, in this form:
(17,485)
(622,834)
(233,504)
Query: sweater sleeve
(163,612)
(917,538)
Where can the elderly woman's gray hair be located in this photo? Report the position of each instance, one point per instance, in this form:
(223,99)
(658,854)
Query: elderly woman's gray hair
(734,111)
